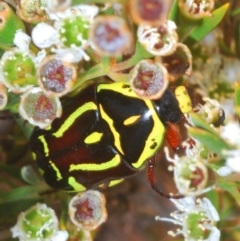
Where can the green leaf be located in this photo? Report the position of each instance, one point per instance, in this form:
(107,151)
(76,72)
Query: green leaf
(174,12)
(235,12)
(106,62)
(26,128)
(64,218)
(26,192)
(12,171)
(231,186)
(13,102)
(201,123)
(94,72)
(210,140)
(140,54)
(10,23)
(119,77)
(209,23)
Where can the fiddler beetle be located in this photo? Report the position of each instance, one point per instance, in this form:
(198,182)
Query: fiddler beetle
(105,134)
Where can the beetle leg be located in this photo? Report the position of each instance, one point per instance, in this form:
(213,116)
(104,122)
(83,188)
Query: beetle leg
(152,180)
(173,137)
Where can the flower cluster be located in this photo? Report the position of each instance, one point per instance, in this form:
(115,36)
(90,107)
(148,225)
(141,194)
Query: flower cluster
(52,50)
(64,38)
(40,222)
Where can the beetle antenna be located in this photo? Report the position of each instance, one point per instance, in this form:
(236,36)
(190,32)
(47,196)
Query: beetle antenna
(152,180)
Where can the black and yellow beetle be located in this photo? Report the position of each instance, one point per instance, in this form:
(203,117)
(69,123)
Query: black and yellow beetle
(105,134)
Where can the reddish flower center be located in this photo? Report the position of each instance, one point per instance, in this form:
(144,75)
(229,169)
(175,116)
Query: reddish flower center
(197,177)
(44,109)
(177,63)
(55,75)
(150,10)
(111,33)
(84,210)
(144,79)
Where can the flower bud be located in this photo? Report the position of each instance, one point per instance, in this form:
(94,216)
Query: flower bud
(9,24)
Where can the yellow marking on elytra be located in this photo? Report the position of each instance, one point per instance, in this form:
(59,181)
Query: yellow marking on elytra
(115,182)
(155,137)
(48,128)
(69,121)
(119,87)
(183,98)
(111,183)
(110,122)
(93,138)
(45,145)
(76,185)
(131,120)
(58,173)
(96,167)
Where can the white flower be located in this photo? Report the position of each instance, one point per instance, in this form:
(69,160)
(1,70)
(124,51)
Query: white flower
(22,40)
(87,210)
(209,44)
(190,172)
(48,35)
(61,236)
(210,111)
(197,218)
(231,134)
(215,77)
(38,223)
(224,171)
(68,36)
(18,65)
(196,9)
(232,160)
(38,108)
(159,41)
